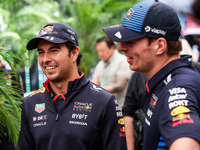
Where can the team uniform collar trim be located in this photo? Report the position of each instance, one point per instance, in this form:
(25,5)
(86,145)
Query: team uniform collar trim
(46,83)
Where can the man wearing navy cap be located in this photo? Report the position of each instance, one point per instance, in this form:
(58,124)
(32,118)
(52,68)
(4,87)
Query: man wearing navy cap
(69,112)
(149,37)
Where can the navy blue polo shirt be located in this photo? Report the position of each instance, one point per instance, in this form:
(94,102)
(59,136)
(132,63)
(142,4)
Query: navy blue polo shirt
(173,105)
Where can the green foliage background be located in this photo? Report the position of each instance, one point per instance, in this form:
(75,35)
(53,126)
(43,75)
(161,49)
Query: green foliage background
(21,20)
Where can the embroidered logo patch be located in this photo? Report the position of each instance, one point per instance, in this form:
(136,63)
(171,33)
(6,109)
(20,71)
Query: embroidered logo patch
(129,13)
(41,90)
(40,107)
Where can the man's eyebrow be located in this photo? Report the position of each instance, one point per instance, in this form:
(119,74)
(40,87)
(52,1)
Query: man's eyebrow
(39,49)
(52,47)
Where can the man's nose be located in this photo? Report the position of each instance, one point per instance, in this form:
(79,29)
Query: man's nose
(121,47)
(46,58)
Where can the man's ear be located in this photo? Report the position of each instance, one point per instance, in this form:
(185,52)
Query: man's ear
(161,46)
(113,47)
(74,54)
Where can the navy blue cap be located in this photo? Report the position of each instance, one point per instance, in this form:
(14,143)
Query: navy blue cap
(54,33)
(147,18)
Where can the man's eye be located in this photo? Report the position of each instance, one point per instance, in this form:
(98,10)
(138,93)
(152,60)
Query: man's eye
(131,42)
(40,52)
(54,50)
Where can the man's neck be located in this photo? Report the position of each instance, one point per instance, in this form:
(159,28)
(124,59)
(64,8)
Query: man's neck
(60,88)
(160,64)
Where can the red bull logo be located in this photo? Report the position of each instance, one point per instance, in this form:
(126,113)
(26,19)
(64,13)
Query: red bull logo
(79,106)
(88,107)
(122,134)
(41,90)
(183,121)
(181,117)
(122,129)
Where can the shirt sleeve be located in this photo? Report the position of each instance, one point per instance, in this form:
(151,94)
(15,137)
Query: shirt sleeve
(179,116)
(135,95)
(113,130)
(25,141)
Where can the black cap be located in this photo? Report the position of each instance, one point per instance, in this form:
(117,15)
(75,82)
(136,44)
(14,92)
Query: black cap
(147,18)
(54,33)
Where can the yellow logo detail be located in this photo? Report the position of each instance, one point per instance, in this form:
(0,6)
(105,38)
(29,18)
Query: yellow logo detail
(179,110)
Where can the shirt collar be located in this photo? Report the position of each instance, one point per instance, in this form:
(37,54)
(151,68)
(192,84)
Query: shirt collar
(160,75)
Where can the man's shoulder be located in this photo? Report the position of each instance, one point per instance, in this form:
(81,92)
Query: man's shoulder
(99,91)
(187,73)
(183,77)
(34,95)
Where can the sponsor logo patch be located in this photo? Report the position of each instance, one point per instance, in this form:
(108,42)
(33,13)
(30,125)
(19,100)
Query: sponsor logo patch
(95,88)
(79,116)
(121,121)
(119,114)
(46,30)
(153,101)
(78,123)
(122,132)
(41,90)
(40,107)
(42,117)
(122,129)
(179,110)
(178,103)
(80,106)
(118,35)
(149,113)
(154,30)
(182,119)
(169,78)
(129,13)
(39,124)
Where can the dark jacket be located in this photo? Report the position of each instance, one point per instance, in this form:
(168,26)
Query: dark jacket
(173,105)
(89,119)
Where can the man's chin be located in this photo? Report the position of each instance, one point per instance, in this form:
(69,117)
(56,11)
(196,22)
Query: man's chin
(53,78)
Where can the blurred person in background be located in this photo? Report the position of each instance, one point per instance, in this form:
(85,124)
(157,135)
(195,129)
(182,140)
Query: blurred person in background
(112,72)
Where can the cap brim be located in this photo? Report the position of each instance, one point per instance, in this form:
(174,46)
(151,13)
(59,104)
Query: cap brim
(119,33)
(33,43)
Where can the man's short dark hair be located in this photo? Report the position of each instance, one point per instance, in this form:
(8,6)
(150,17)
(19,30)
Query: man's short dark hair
(71,46)
(108,41)
(196,8)
(174,47)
